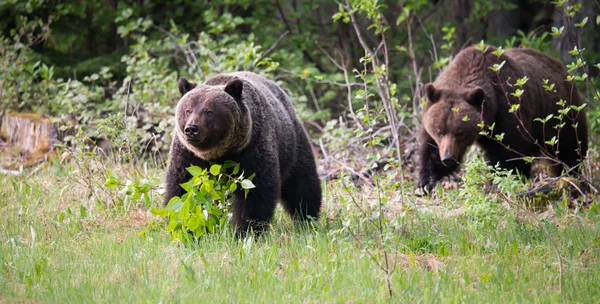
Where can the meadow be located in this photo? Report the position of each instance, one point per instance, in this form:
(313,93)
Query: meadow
(65,242)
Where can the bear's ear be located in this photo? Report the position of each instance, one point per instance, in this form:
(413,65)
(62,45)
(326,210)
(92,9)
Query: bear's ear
(476,96)
(184,85)
(234,88)
(432,93)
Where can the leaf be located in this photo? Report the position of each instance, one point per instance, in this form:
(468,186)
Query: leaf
(247,184)
(110,183)
(556,31)
(174,204)
(229,163)
(194,170)
(582,23)
(578,108)
(194,222)
(160,212)
(497,67)
(215,170)
(498,52)
(482,47)
(233,187)
(187,186)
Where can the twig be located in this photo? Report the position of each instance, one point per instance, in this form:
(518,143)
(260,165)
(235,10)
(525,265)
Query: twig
(189,54)
(342,66)
(10,172)
(339,84)
(272,47)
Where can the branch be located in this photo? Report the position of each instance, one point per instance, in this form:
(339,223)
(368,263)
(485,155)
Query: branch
(272,47)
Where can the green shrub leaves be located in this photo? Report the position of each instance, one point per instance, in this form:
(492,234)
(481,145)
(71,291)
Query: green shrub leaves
(205,207)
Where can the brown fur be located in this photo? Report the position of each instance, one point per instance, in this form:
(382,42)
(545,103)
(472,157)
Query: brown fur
(246,118)
(226,129)
(468,92)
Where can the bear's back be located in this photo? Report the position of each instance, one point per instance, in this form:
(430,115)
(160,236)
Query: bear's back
(274,121)
(269,99)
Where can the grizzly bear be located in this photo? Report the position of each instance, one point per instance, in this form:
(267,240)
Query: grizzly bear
(246,118)
(469,92)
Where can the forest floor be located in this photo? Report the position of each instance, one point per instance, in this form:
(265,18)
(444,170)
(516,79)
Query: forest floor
(66,238)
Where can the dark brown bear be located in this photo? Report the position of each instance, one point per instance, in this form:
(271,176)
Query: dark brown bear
(468,92)
(248,119)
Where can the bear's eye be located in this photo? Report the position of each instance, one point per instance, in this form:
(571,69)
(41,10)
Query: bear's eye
(188,112)
(208,113)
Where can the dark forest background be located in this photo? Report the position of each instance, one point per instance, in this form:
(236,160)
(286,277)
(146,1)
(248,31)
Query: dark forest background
(101,67)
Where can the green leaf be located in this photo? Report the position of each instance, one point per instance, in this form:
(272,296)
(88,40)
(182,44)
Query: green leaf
(229,164)
(482,47)
(174,204)
(522,81)
(498,52)
(517,93)
(552,141)
(193,222)
(110,183)
(187,186)
(160,212)
(582,23)
(557,31)
(194,170)
(497,67)
(578,108)
(215,169)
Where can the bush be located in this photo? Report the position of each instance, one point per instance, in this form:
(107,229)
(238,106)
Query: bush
(206,205)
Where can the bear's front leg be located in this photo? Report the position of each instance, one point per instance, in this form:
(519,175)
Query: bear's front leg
(255,211)
(432,168)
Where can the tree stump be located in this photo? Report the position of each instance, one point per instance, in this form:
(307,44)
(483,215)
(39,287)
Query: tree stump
(27,139)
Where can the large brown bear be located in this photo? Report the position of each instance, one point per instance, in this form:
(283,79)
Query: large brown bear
(468,92)
(246,118)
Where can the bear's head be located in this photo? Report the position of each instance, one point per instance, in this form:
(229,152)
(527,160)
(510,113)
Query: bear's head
(212,120)
(451,118)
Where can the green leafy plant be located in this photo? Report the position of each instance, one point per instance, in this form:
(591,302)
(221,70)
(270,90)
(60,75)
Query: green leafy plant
(133,189)
(205,207)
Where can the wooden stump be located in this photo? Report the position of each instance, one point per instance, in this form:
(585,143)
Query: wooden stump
(28,139)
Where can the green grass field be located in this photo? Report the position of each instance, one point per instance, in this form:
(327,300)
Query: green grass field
(65,238)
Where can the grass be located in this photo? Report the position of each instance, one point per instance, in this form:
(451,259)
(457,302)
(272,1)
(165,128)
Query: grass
(64,242)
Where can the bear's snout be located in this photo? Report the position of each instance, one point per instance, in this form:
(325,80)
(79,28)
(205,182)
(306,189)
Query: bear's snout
(448,160)
(191,130)
(449,151)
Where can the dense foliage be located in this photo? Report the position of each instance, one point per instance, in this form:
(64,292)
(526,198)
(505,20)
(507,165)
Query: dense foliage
(82,62)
